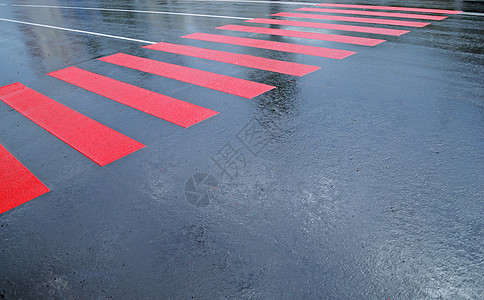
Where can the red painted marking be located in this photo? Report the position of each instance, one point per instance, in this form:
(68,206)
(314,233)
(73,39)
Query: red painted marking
(17,184)
(372,13)
(293,48)
(352,19)
(424,10)
(100,143)
(231,85)
(365,29)
(170,109)
(250,61)
(306,35)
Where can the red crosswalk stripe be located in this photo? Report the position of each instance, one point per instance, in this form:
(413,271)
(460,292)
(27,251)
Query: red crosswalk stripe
(306,35)
(100,143)
(17,184)
(231,85)
(272,45)
(262,63)
(352,19)
(372,13)
(176,111)
(375,30)
(414,9)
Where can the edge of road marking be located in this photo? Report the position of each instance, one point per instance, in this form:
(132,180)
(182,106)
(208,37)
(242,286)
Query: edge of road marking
(251,1)
(80,31)
(130,10)
(472,14)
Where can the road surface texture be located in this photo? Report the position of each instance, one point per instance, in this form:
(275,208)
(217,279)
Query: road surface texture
(241,149)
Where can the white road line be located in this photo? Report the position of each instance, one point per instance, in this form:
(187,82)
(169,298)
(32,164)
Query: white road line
(131,10)
(472,14)
(251,1)
(80,31)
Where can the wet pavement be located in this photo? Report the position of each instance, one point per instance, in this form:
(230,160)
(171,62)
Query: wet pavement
(361,180)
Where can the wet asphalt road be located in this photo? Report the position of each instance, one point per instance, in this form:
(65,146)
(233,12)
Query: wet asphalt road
(369,184)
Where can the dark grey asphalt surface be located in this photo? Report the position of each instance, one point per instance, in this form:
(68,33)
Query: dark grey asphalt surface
(369,186)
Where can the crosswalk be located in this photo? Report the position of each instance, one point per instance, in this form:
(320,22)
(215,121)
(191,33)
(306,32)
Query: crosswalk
(350,28)
(352,19)
(305,35)
(271,45)
(100,143)
(179,112)
(373,13)
(104,145)
(227,84)
(250,61)
(398,8)
(17,184)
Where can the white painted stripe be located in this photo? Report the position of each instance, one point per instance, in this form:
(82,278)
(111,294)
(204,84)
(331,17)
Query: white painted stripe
(472,14)
(251,1)
(131,10)
(80,31)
